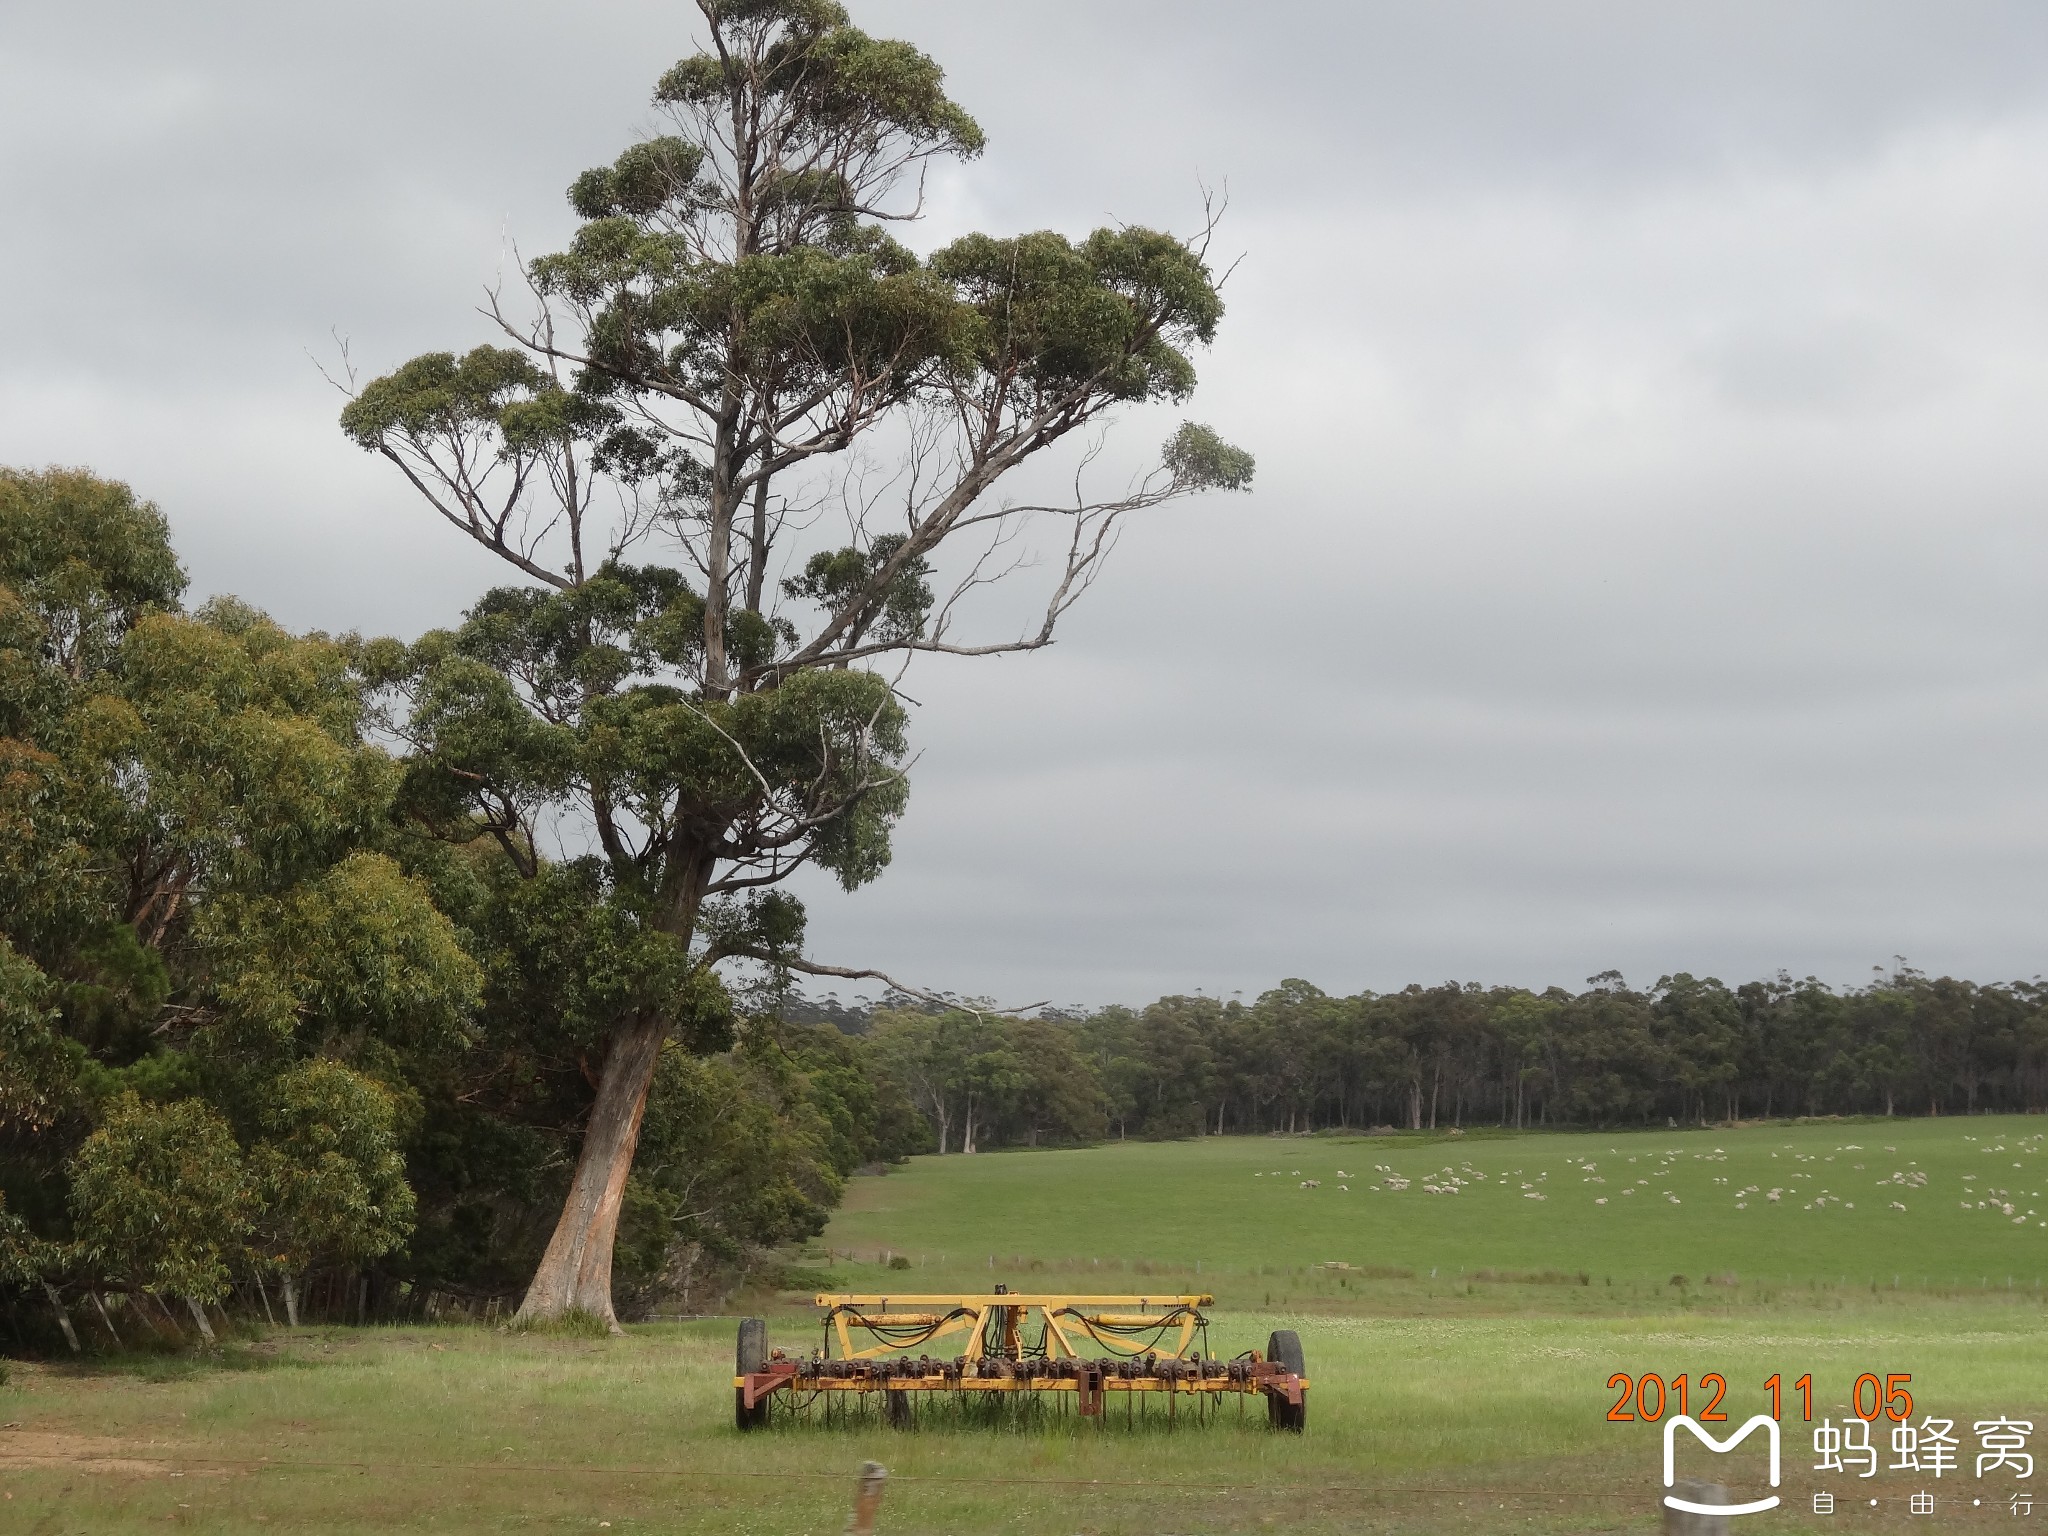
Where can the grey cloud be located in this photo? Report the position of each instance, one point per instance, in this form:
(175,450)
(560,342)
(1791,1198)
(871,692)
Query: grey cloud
(1645,564)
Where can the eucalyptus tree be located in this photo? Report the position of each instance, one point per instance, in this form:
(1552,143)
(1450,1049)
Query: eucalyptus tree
(743,447)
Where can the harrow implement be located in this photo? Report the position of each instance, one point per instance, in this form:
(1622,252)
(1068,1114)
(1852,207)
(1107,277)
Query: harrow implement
(1091,1348)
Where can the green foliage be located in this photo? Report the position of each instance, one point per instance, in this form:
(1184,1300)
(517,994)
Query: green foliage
(200,898)
(357,953)
(162,1198)
(81,560)
(735,1156)
(328,1174)
(844,84)
(1114,314)
(1198,459)
(993,1079)
(440,394)
(23,1258)
(38,1067)
(1688,1051)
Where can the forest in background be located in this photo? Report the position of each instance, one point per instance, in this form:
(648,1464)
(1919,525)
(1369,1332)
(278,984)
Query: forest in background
(1687,1050)
(280,1032)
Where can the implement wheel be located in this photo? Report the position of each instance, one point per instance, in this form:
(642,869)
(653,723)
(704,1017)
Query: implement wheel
(1283,1348)
(751,1356)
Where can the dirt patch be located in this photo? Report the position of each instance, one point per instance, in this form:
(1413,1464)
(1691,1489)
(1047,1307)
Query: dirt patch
(86,1453)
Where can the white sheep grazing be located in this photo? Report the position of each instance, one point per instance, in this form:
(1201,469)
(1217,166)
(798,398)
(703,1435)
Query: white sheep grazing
(1311,1183)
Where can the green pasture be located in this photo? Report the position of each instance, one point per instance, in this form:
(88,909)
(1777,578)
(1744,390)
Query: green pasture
(1474,1402)
(1912,1204)
(1453,1421)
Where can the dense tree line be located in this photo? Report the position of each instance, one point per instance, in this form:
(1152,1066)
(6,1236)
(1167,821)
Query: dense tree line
(1686,1050)
(261,1020)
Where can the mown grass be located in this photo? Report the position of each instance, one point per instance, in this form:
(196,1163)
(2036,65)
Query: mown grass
(1451,1403)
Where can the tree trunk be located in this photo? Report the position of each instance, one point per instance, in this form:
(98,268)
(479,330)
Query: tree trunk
(199,1317)
(101,1307)
(575,1274)
(63,1317)
(290,1286)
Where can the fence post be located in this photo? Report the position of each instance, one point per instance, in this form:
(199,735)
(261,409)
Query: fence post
(867,1498)
(1679,1522)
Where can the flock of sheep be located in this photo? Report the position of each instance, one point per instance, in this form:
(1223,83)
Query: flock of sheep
(1642,1169)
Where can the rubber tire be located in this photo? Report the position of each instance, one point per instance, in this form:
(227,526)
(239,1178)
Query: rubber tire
(749,1356)
(898,1407)
(1283,1348)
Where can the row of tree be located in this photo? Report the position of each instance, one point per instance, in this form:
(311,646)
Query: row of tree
(257,1022)
(1687,1050)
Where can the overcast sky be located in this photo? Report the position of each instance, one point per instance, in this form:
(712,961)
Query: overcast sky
(1646,567)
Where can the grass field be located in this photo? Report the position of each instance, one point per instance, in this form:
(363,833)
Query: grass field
(1905,1201)
(1446,1403)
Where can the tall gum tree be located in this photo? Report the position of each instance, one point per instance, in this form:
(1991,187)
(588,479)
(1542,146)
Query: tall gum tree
(675,445)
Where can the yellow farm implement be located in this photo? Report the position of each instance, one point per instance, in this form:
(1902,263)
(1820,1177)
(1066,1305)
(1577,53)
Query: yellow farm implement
(1083,1351)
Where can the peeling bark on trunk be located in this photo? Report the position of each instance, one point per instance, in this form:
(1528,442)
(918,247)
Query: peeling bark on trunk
(290,1286)
(199,1317)
(575,1274)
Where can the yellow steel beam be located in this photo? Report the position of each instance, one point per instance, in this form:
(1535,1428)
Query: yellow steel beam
(1055,1333)
(1022,1384)
(974,1345)
(1088,1313)
(940,1327)
(977,1299)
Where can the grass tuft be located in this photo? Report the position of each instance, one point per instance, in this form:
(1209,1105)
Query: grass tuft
(573,1324)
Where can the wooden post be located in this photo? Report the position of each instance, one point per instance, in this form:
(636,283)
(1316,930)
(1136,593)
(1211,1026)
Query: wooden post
(867,1499)
(1680,1522)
